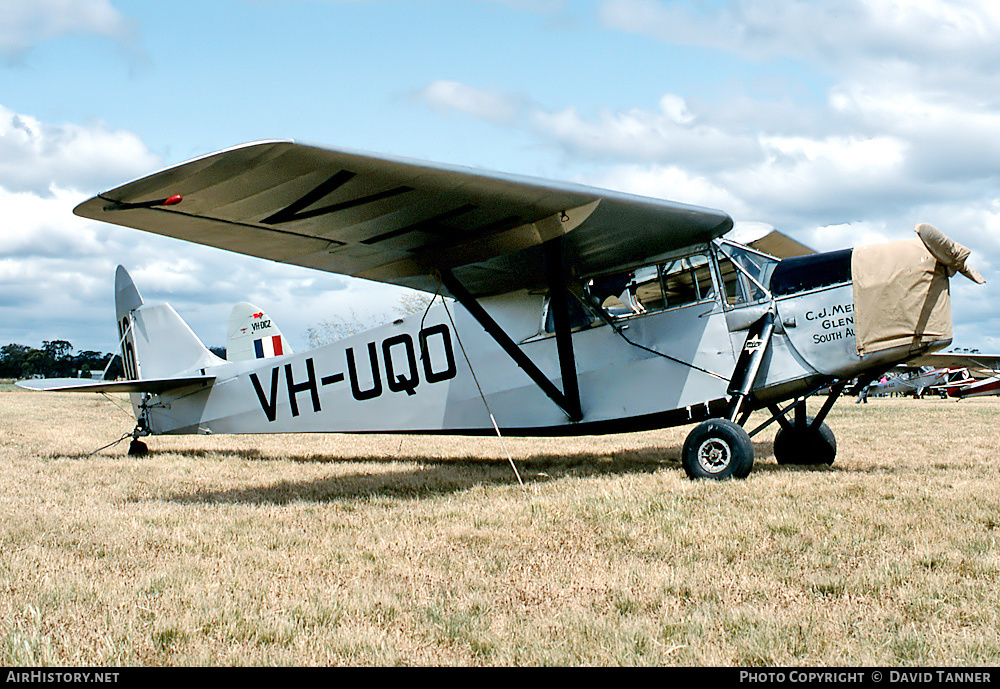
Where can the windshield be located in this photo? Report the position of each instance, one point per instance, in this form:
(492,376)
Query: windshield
(744,273)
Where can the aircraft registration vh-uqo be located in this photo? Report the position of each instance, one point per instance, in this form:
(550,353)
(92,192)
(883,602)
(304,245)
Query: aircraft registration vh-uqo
(560,309)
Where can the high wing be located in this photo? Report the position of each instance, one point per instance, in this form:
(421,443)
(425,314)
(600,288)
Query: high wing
(396,220)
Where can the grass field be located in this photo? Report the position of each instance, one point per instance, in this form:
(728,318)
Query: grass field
(386,550)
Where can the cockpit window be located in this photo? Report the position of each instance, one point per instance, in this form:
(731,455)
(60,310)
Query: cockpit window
(744,273)
(757,266)
(687,280)
(579,316)
(616,294)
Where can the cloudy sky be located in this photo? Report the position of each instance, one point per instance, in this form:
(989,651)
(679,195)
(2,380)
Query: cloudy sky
(839,122)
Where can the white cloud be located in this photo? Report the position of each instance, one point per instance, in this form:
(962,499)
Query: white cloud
(44,226)
(781,171)
(845,235)
(447,95)
(667,182)
(672,133)
(25,24)
(952,135)
(36,156)
(837,33)
(910,121)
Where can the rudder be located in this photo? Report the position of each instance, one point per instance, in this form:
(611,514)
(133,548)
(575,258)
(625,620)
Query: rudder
(155,341)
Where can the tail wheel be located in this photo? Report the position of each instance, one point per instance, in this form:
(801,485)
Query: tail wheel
(805,444)
(717,449)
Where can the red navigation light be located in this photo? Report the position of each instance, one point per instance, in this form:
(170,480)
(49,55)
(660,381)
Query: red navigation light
(173,200)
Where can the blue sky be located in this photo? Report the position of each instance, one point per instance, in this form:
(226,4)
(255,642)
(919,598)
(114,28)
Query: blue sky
(838,122)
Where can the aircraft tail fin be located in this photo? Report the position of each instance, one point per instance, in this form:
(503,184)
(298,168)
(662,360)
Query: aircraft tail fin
(253,335)
(127,297)
(155,342)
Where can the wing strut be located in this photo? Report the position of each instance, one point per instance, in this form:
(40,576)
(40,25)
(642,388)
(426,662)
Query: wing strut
(569,399)
(557,276)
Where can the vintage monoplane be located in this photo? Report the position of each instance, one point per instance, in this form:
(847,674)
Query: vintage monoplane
(559,309)
(957,373)
(919,381)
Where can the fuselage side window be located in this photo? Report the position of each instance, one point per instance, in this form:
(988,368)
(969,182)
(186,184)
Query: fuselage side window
(687,280)
(648,290)
(672,284)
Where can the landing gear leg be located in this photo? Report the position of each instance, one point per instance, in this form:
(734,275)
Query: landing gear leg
(721,448)
(138,448)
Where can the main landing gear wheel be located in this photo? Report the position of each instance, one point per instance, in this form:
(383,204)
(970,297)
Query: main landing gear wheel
(803,444)
(717,449)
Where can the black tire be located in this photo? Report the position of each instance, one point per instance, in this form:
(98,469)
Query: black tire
(717,449)
(137,448)
(806,446)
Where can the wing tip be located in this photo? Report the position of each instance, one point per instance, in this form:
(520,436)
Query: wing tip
(93,208)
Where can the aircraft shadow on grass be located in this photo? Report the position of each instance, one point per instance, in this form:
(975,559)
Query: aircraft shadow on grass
(429,478)
(436,476)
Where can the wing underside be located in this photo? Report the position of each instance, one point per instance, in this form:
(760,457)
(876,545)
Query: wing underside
(396,220)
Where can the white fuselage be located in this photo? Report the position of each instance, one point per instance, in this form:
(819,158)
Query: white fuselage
(413,375)
(656,346)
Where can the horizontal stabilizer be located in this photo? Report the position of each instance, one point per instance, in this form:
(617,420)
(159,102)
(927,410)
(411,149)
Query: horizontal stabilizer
(152,385)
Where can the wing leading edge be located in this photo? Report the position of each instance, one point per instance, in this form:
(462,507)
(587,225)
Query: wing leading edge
(396,220)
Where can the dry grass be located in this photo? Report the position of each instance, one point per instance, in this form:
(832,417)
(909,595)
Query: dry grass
(382,550)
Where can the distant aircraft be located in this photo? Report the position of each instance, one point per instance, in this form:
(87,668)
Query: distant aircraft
(919,381)
(983,371)
(979,364)
(977,388)
(559,309)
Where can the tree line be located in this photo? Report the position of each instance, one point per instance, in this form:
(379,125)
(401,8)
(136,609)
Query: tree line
(55,359)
